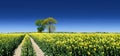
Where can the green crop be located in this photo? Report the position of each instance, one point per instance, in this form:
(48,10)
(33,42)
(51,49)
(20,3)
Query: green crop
(27,49)
(60,44)
(9,42)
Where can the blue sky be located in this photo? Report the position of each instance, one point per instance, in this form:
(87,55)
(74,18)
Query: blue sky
(72,15)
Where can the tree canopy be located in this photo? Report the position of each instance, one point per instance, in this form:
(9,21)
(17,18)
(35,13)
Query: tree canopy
(40,26)
(48,22)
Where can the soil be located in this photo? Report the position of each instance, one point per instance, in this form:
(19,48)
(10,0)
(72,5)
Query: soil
(36,48)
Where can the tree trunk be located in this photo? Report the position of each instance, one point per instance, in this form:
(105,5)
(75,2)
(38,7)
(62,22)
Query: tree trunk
(49,29)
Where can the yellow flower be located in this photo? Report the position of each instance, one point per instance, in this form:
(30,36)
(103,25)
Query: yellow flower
(88,53)
(94,49)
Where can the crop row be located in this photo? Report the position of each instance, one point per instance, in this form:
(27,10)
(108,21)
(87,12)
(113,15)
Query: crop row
(8,43)
(27,49)
(59,44)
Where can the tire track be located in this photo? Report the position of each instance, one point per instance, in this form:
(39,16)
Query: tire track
(18,50)
(36,48)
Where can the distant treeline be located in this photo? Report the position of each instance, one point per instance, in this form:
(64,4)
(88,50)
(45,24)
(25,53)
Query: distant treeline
(60,32)
(87,32)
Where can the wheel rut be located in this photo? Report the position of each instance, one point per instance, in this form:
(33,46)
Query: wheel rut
(36,48)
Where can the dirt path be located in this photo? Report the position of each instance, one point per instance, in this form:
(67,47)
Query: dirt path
(18,50)
(36,48)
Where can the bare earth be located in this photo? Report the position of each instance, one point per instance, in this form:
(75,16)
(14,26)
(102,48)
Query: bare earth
(36,48)
(18,51)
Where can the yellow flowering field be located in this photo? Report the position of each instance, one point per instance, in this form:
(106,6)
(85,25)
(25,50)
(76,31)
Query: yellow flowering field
(73,44)
(9,42)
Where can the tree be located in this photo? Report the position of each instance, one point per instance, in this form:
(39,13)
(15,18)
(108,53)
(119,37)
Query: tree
(50,21)
(41,26)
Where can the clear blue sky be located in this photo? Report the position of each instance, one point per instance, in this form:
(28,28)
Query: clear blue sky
(72,15)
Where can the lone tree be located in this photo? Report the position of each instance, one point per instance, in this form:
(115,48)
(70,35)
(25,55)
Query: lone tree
(49,22)
(41,26)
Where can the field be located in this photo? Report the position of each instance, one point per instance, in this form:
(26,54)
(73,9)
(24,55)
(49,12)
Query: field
(62,44)
(8,42)
(79,44)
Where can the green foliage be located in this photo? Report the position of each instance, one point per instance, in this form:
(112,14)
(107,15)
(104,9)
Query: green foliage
(49,22)
(40,25)
(40,29)
(27,49)
(63,44)
(9,42)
